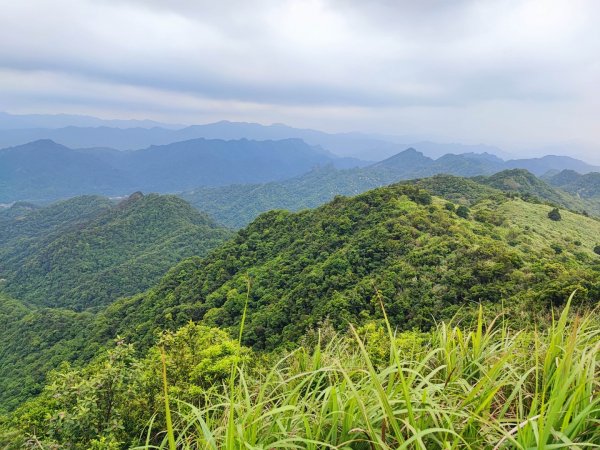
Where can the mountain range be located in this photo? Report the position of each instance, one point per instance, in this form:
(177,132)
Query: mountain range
(237,205)
(88,251)
(44,170)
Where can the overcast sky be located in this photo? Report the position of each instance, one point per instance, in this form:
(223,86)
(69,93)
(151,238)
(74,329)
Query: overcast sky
(502,72)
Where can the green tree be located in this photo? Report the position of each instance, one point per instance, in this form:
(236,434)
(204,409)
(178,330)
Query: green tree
(462,211)
(554,214)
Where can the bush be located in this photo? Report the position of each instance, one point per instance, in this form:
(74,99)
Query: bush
(450,206)
(554,214)
(462,211)
(597,249)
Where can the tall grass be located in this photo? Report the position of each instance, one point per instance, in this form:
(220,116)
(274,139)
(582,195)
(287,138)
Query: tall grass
(485,388)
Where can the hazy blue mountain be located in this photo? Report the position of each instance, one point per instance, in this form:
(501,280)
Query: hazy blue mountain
(437,149)
(99,133)
(44,170)
(32,121)
(351,145)
(540,166)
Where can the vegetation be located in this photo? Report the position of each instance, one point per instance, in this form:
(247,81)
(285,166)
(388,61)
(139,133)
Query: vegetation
(479,387)
(86,252)
(316,362)
(82,254)
(237,205)
(554,214)
(585,186)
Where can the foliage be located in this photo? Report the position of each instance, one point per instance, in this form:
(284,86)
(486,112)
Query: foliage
(428,264)
(462,211)
(479,386)
(238,205)
(108,403)
(554,214)
(81,255)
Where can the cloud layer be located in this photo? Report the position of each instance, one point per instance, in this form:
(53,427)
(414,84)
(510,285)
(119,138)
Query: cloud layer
(504,71)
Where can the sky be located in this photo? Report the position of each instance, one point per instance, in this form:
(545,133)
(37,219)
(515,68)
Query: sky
(520,73)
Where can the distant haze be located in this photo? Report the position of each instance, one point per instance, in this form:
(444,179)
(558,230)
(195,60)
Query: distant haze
(518,74)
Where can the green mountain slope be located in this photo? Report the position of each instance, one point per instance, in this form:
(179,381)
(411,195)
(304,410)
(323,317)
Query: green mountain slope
(35,341)
(24,221)
(93,259)
(427,262)
(238,205)
(585,186)
(335,263)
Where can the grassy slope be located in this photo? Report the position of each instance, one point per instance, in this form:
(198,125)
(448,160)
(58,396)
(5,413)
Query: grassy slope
(238,205)
(542,232)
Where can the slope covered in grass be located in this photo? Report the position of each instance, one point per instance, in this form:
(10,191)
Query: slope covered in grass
(479,385)
(238,205)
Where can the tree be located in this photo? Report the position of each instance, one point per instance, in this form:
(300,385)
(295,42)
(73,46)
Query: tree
(462,211)
(597,249)
(554,214)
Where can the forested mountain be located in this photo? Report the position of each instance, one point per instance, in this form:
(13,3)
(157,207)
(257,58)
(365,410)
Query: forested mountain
(427,262)
(427,258)
(586,186)
(237,205)
(86,252)
(44,170)
(35,341)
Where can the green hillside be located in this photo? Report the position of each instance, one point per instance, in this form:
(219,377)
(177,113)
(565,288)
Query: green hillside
(328,267)
(35,341)
(426,261)
(90,259)
(585,186)
(237,205)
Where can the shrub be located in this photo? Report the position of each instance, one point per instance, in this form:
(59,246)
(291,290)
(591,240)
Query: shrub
(554,214)
(597,249)
(462,211)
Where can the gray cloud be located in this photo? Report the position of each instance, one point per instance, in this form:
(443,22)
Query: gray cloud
(502,71)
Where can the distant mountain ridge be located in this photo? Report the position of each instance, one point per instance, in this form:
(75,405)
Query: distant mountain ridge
(44,170)
(586,186)
(85,132)
(54,121)
(237,205)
